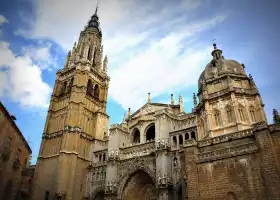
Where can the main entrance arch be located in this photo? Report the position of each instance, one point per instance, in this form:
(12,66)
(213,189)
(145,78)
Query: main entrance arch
(139,186)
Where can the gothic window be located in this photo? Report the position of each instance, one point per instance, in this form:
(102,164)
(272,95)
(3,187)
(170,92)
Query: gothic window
(94,54)
(187,137)
(70,85)
(96,91)
(217,117)
(100,157)
(180,139)
(89,87)
(63,88)
(229,114)
(174,141)
(89,53)
(252,113)
(241,113)
(193,135)
(136,136)
(104,158)
(150,133)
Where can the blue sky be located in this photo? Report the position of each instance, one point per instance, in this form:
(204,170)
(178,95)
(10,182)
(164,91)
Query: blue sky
(153,46)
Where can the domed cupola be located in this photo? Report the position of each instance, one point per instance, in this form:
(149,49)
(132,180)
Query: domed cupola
(94,23)
(220,66)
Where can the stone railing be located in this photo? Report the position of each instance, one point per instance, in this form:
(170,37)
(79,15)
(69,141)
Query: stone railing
(113,154)
(246,148)
(189,143)
(225,138)
(163,143)
(274,127)
(246,91)
(138,150)
(219,93)
(113,126)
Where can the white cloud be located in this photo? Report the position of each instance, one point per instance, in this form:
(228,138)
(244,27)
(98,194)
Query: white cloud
(22,80)
(41,55)
(3,19)
(150,46)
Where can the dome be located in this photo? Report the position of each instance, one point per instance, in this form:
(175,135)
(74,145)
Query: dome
(219,66)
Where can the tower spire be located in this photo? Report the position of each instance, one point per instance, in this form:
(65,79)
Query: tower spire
(97,6)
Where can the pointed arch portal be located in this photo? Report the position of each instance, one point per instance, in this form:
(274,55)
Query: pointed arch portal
(139,186)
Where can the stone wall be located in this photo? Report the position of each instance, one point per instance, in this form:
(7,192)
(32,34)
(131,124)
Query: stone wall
(239,168)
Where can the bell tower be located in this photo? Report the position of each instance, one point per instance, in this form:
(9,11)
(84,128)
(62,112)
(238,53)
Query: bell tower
(76,117)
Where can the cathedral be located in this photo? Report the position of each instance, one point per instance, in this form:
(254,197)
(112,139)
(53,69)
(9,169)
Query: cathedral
(223,149)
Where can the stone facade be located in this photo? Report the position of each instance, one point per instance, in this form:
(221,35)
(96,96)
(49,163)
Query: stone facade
(223,149)
(14,157)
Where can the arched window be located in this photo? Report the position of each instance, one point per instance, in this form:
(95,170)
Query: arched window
(241,113)
(193,135)
(100,157)
(96,91)
(217,117)
(180,139)
(150,133)
(89,53)
(89,87)
(94,54)
(104,157)
(175,141)
(136,136)
(229,114)
(253,114)
(70,85)
(187,137)
(63,88)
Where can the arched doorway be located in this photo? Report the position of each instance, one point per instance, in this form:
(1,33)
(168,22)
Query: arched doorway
(140,186)
(99,196)
(150,133)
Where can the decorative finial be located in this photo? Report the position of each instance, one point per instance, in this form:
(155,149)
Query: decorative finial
(214,44)
(194,100)
(75,44)
(149,97)
(128,113)
(172,99)
(97,6)
(181,104)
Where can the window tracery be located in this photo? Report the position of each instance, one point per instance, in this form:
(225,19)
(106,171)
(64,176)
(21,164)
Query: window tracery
(229,112)
(217,116)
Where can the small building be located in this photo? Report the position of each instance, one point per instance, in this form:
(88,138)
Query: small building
(14,156)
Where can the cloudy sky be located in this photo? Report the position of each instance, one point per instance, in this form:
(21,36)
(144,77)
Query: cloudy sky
(156,46)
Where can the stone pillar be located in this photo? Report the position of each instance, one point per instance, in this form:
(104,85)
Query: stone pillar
(269,162)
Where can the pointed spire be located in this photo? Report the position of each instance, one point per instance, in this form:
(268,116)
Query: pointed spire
(124,119)
(97,6)
(181,104)
(94,21)
(194,100)
(172,99)
(105,63)
(128,113)
(149,97)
